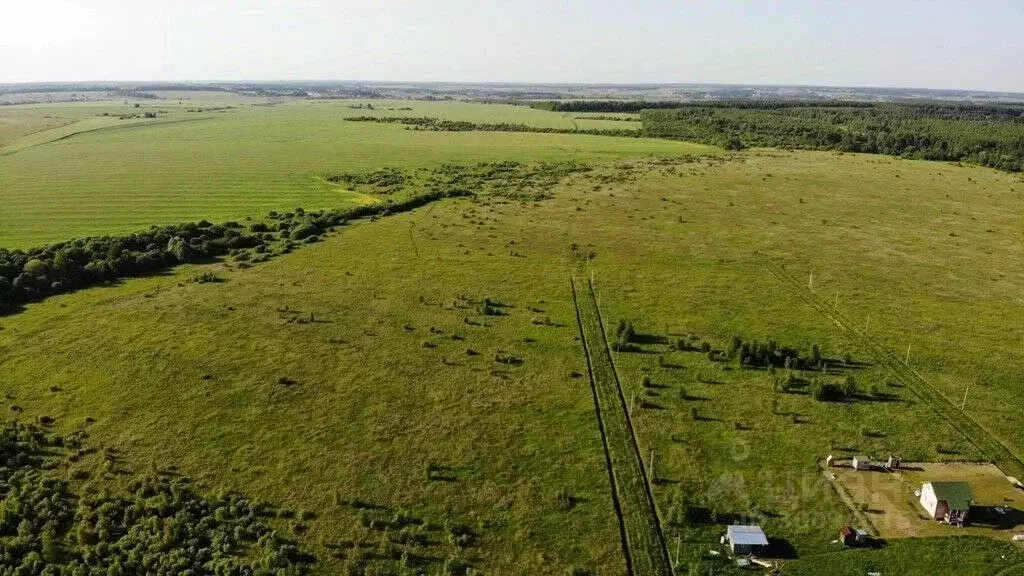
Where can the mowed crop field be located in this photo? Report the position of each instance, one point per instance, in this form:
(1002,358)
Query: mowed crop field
(399,393)
(246,160)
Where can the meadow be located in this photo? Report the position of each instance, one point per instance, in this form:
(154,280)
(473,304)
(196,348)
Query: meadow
(429,364)
(244,161)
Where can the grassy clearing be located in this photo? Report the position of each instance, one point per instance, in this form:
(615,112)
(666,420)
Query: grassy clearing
(364,367)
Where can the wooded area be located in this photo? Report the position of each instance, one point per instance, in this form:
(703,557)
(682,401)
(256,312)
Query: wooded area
(989,135)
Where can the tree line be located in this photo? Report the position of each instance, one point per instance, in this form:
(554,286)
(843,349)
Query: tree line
(990,135)
(441,125)
(602,105)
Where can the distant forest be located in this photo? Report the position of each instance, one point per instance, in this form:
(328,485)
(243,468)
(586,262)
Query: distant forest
(986,134)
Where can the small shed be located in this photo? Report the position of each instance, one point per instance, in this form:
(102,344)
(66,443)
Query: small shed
(948,502)
(893,463)
(861,463)
(746,540)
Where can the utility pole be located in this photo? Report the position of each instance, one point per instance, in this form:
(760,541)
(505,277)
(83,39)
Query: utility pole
(678,539)
(810,282)
(867,323)
(964,404)
(650,467)
(907,361)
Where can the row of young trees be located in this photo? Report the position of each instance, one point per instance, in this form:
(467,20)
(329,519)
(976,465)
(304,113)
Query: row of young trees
(750,354)
(441,125)
(991,135)
(158,526)
(770,354)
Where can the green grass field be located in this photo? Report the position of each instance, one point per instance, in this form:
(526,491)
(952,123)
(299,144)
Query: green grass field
(397,398)
(245,161)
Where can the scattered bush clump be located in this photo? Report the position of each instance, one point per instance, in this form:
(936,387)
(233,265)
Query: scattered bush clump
(834,391)
(157,525)
(204,278)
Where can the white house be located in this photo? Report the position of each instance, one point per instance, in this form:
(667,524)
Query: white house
(745,540)
(947,501)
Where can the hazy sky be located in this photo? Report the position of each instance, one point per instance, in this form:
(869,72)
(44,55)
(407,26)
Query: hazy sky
(933,44)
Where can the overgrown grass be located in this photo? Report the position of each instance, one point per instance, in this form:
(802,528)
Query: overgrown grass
(189,373)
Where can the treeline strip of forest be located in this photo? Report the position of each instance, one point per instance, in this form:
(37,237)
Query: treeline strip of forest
(915,132)
(441,125)
(923,108)
(602,105)
(36,273)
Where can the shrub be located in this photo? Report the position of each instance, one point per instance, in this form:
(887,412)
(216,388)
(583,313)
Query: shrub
(35,268)
(828,392)
(624,333)
(204,278)
(179,249)
(565,499)
(304,231)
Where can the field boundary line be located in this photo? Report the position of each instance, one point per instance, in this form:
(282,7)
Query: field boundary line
(604,438)
(642,524)
(987,443)
(629,419)
(14,151)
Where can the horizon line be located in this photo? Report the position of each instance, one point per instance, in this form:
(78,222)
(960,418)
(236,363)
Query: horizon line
(506,83)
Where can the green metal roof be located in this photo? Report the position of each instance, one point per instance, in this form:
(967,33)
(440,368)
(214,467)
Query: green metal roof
(956,494)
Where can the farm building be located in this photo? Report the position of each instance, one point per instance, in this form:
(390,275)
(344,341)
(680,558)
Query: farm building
(947,501)
(746,540)
(861,463)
